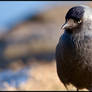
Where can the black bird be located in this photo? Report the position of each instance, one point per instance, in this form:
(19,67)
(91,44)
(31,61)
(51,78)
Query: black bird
(74,49)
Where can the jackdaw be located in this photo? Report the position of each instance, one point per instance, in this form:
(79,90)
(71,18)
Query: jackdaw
(74,49)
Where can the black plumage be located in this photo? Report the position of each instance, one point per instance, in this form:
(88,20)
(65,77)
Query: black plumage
(74,49)
(75,13)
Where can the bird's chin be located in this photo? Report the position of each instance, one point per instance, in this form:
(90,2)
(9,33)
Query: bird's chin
(69,30)
(72,29)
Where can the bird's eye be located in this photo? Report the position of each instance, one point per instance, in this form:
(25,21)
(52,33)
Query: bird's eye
(79,21)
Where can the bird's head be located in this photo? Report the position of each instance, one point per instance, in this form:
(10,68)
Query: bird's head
(76,17)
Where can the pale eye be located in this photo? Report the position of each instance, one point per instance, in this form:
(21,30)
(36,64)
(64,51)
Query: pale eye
(79,21)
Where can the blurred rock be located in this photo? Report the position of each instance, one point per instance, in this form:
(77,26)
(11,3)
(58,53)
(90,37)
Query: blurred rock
(35,38)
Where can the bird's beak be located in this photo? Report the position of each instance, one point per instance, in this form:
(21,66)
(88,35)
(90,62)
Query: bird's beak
(66,25)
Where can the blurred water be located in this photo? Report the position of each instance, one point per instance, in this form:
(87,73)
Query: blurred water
(13,12)
(13,78)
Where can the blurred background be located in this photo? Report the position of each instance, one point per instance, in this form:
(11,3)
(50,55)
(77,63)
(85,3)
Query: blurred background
(29,33)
